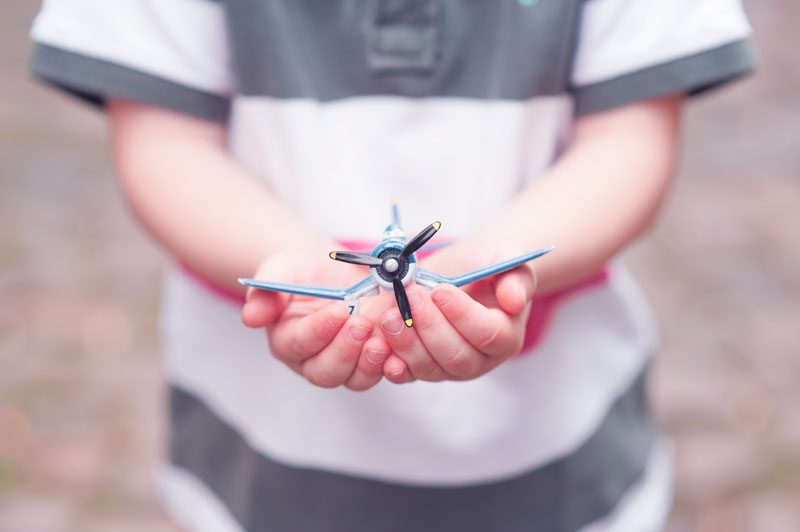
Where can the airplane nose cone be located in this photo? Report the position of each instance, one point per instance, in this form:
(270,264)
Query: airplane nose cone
(391,265)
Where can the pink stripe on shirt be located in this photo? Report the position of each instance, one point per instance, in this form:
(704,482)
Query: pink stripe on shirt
(543,307)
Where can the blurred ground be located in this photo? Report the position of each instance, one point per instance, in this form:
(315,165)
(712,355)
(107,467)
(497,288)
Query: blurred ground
(80,391)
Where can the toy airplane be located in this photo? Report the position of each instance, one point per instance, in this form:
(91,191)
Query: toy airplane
(393,265)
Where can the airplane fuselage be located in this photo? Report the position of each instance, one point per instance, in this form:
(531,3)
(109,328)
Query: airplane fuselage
(392,243)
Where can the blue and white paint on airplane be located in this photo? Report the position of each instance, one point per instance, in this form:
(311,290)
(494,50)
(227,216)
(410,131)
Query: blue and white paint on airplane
(392,266)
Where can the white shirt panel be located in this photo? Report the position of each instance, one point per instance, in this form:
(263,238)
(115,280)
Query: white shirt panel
(619,37)
(183,41)
(340,164)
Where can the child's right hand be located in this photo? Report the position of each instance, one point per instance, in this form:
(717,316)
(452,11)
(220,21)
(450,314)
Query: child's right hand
(315,337)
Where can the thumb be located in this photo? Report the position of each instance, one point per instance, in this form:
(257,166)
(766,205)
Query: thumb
(263,307)
(514,289)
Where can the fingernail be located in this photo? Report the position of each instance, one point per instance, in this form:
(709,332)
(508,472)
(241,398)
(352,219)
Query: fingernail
(414,299)
(441,297)
(358,333)
(524,295)
(376,357)
(393,325)
(396,373)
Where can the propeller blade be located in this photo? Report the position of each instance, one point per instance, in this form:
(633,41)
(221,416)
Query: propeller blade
(402,301)
(418,241)
(355,258)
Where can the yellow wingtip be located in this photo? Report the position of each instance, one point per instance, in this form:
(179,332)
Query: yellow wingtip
(409,322)
(436,225)
(332,255)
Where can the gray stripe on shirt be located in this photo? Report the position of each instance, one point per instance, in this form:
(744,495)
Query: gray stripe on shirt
(94,80)
(693,74)
(339,49)
(266,495)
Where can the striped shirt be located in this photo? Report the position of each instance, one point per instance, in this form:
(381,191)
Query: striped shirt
(450,107)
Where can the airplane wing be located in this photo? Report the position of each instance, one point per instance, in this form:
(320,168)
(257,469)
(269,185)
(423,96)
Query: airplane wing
(364,287)
(431,279)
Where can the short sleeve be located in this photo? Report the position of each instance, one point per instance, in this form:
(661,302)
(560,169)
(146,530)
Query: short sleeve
(170,53)
(630,50)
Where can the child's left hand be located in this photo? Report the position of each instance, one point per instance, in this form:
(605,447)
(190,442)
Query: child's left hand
(459,334)
(315,337)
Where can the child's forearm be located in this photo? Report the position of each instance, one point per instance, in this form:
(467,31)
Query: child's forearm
(602,193)
(187,191)
(215,217)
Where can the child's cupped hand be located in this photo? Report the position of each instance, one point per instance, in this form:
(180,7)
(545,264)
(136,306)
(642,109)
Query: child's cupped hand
(316,337)
(460,333)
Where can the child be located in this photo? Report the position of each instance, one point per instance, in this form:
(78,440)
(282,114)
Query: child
(259,136)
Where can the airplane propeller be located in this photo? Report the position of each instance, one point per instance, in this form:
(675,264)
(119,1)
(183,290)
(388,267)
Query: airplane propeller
(356,258)
(402,301)
(418,241)
(392,266)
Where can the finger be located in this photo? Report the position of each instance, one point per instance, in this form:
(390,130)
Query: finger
(262,307)
(296,339)
(489,330)
(395,370)
(369,369)
(455,355)
(336,362)
(406,344)
(515,289)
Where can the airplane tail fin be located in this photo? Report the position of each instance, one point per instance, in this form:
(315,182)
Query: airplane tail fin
(395,213)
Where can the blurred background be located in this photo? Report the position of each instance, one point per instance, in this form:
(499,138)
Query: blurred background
(81,397)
